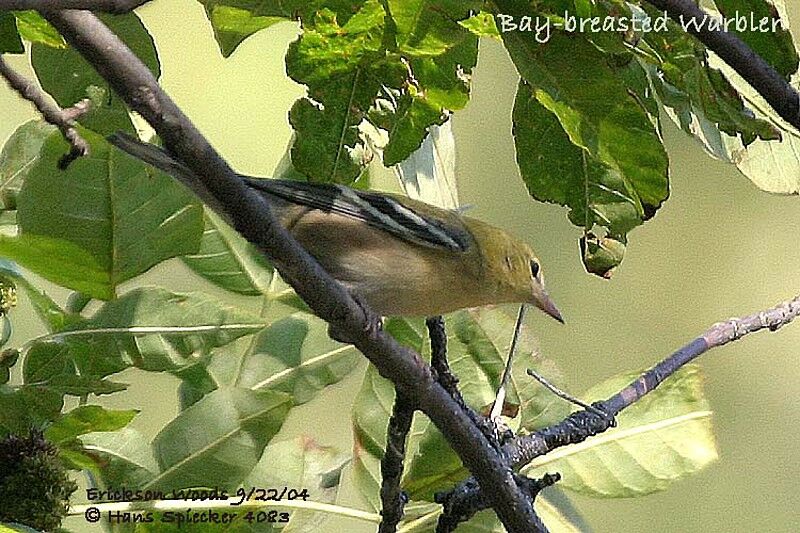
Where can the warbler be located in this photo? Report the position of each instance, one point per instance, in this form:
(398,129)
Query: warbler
(401,256)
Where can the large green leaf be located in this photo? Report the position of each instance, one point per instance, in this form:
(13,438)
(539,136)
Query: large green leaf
(663,437)
(600,116)
(401,65)
(68,77)
(301,463)
(236,425)
(343,68)
(126,215)
(126,457)
(296,356)
(156,330)
(10,41)
(556,170)
(19,154)
(59,261)
(227,260)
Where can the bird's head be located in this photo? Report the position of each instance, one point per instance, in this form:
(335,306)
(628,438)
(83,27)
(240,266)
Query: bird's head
(525,279)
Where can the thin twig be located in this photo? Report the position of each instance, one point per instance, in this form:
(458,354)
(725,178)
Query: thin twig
(562,394)
(581,425)
(106,6)
(500,397)
(63,119)
(329,300)
(393,499)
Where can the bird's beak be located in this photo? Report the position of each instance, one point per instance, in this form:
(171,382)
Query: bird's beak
(545,303)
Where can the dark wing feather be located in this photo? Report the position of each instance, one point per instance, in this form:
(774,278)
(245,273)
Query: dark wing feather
(377,210)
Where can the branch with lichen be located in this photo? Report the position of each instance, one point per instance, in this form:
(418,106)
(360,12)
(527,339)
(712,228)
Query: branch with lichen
(467,499)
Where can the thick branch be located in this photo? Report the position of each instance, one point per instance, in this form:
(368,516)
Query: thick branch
(329,300)
(740,57)
(106,6)
(63,119)
(581,425)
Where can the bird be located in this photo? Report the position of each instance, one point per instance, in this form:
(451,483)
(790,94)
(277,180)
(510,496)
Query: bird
(400,256)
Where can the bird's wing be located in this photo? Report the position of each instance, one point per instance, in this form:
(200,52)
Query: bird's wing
(378,210)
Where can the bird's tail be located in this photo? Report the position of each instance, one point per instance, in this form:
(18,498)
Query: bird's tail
(162,160)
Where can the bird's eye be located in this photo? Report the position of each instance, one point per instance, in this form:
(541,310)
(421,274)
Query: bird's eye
(534,268)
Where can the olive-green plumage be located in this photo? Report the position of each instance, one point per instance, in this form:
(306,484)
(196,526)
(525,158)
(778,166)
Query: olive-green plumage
(401,256)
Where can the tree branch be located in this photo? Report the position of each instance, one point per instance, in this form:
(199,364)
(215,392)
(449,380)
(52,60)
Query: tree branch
(63,119)
(327,298)
(466,498)
(740,57)
(393,499)
(107,6)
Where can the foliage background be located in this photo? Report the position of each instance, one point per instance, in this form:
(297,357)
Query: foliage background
(718,248)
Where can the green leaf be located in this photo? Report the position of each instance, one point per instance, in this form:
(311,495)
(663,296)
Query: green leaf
(437,85)
(232,25)
(556,170)
(425,27)
(128,216)
(227,260)
(301,463)
(59,261)
(45,360)
(343,69)
(685,83)
(774,45)
(600,117)
(19,154)
(126,457)
(54,317)
(10,41)
(155,330)
(68,77)
(237,425)
(296,356)
(771,166)
(663,437)
(86,419)
(482,24)
(34,28)
(28,406)
(371,412)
